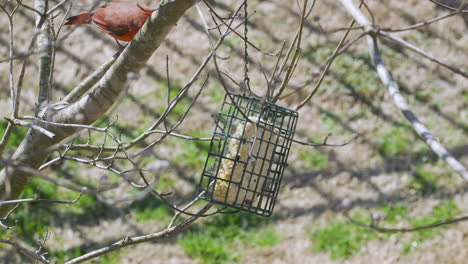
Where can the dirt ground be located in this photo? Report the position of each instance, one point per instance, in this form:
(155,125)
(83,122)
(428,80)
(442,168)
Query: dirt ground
(356,176)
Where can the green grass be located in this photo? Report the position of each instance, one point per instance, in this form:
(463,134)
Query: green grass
(191,153)
(329,121)
(423,96)
(216,94)
(233,42)
(149,209)
(443,212)
(160,213)
(420,39)
(164,183)
(395,140)
(264,239)
(62,256)
(360,80)
(210,247)
(179,109)
(16,136)
(222,237)
(32,218)
(313,158)
(110,258)
(341,239)
(424,181)
(125,132)
(465,96)
(394,213)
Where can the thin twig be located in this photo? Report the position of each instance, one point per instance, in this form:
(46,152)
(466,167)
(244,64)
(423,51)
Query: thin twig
(447,6)
(39,13)
(325,142)
(50,11)
(212,11)
(18,122)
(91,80)
(139,239)
(328,65)
(5,137)
(421,24)
(423,53)
(35,200)
(405,230)
(25,251)
(6,217)
(13,92)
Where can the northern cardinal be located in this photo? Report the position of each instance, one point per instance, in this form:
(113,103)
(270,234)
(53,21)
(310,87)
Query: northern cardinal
(121,20)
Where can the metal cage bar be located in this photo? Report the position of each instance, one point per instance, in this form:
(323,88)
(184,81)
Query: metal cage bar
(248,154)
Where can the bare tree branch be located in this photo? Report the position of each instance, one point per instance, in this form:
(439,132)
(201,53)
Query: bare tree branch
(13,93)
(51,10)
(423,53)
(38,12)
(45,55)
(395,94)
(25,251)
(139,239)
(448,7)
(33,200)
(378,228)
(91,80)
(18,122)
(35,147)
(421,24)
(325,142)
(6,217)
(328,64)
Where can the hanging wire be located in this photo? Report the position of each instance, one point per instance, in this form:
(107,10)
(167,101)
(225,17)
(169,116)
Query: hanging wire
(246,52)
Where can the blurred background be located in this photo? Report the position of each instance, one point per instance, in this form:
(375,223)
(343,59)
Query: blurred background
(387,173)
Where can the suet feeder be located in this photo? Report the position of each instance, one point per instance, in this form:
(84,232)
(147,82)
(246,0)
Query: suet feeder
(248,154)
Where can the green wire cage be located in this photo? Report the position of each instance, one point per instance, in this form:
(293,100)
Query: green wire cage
(248,154)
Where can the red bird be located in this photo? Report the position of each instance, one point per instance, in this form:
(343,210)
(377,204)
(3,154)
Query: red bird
(121,20)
